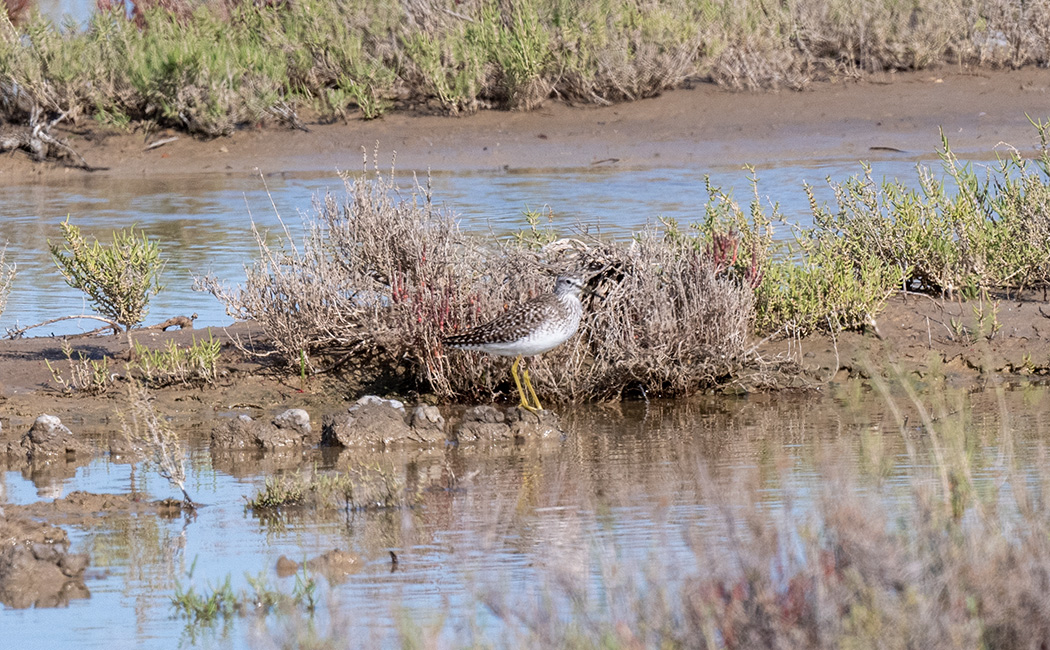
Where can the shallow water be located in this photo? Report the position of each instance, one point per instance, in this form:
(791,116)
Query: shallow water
(203,221)
(627,487)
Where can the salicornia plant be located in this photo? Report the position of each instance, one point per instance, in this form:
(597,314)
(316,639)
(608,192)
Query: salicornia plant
(119,279)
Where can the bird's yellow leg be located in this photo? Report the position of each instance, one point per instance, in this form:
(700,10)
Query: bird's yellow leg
(532,391)
(517,382)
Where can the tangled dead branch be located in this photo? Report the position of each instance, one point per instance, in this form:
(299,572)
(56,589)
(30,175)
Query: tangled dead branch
(40,144)
(386,274)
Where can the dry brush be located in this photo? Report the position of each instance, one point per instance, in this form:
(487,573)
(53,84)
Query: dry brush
(382,275)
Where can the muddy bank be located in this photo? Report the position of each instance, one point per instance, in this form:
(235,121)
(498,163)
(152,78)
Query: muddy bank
(873,118)
(699,126)
(36,567)
(920,333)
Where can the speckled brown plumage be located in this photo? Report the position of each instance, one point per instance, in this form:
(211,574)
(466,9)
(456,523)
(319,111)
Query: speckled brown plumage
(536,326)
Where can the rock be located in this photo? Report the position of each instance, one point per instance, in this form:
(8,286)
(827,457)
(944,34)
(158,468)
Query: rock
(377,423)
(298,422)
(36,569)
(335,565)
(286,567)
(370,424)
(482,423)
(49,439)
(514,423)
(238,433)
(427,422)
(290,429)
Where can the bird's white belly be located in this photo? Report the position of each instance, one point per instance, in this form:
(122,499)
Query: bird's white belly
(537,342)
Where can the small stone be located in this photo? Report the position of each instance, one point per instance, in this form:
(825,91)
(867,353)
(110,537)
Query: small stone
(48,437)
(286,567)
(428,425)
(373,423)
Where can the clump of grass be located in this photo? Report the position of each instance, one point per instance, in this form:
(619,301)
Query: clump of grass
(119,279)
(177,365)
(365,487)
(86,375)
(223,602)
(963,236)
(669,317)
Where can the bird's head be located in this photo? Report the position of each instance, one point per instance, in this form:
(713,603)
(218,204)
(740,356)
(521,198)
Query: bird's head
(568,285)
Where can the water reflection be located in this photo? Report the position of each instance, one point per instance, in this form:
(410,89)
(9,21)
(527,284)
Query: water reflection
(203,221)
(633,480)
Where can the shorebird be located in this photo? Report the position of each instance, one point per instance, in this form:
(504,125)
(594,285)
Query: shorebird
(531,328)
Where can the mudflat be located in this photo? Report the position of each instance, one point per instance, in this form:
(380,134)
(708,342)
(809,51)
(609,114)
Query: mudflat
(980,111)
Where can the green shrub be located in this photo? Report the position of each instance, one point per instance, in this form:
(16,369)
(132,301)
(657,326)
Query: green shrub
(177,365)
(119,279)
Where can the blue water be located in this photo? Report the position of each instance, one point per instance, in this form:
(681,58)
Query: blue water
(618,499)
(203,222)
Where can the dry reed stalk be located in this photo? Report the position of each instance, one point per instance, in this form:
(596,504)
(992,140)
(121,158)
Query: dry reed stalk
(154,437)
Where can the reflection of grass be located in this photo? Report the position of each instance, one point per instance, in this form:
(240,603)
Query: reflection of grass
(371,487)
(956,549)
(154,437)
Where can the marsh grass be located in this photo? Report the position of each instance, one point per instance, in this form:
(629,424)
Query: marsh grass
(956,234)
(385,275)
(209,68)
(967,233)
(359,488)
(177,365)
(221,603)
(86,375)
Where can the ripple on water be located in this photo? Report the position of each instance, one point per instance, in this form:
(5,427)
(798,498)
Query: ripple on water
(625,488)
